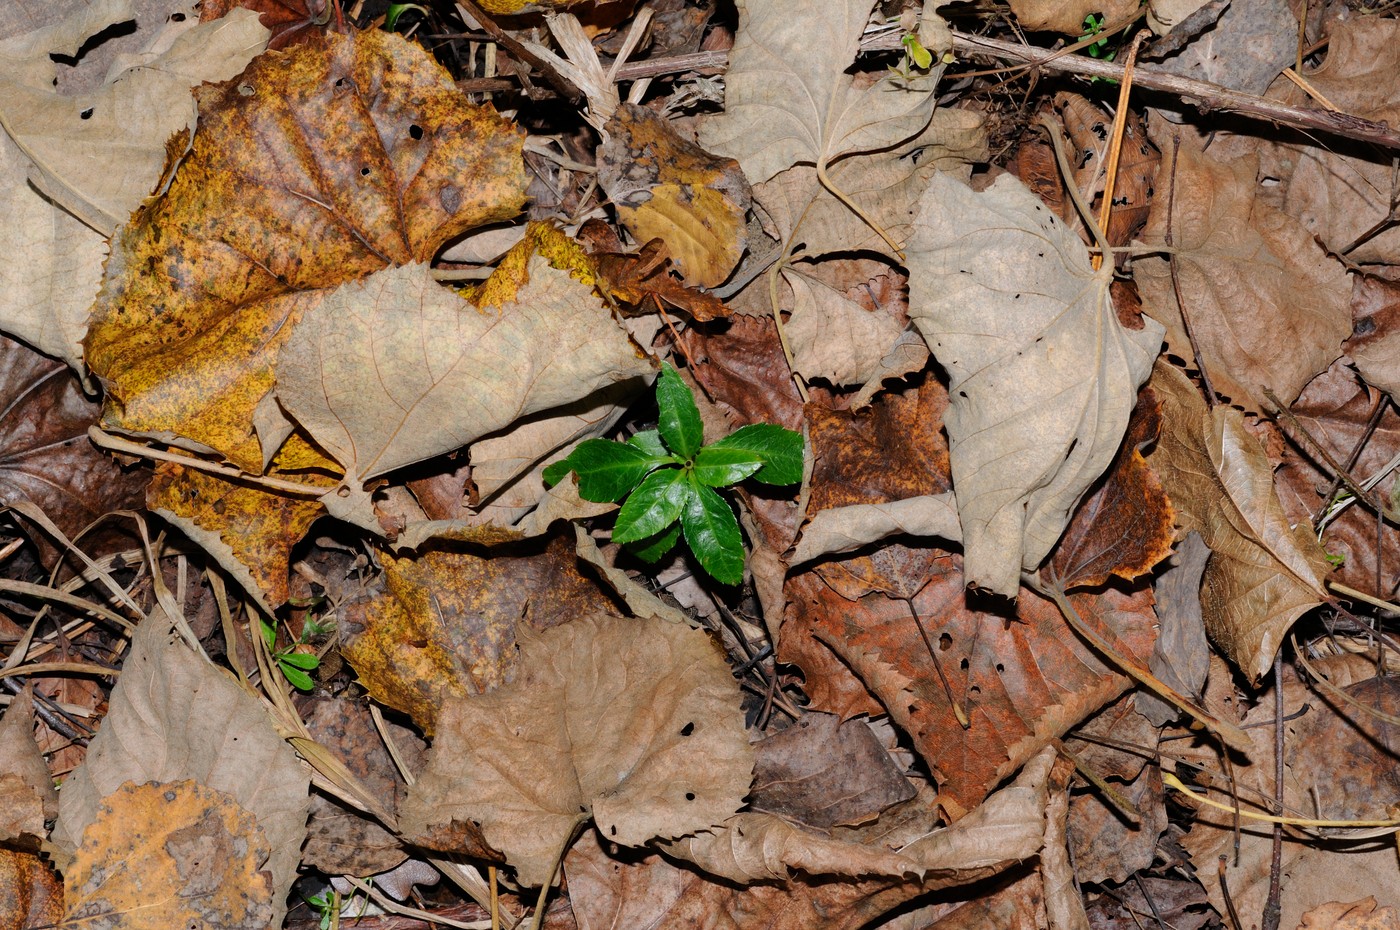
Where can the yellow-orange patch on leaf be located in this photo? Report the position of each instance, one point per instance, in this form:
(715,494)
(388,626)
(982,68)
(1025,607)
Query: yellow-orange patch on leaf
(170,855)
(317,166)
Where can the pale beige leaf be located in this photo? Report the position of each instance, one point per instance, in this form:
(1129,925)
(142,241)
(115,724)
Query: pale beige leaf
(1067,17)
(1263,572)
(845,529)
(833,338)
(1042,375)
(174,716)
(394,369)
(634,722)
(788,98)
(1240,261)
(1008,827)
(908,355)
(885,184)
(99,154)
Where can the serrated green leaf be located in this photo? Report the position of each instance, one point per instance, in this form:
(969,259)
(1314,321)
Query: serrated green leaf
(649,441)
(655,505)
(654,547)
(306,660)
(720,466)
(297,678)
(606,470)
(679,422)
(779,448)
(712,532)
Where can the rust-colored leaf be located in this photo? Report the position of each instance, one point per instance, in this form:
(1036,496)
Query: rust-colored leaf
(645,278)
(30,893)
(1020,679)
(290,21)
(1125,526)
(362,146)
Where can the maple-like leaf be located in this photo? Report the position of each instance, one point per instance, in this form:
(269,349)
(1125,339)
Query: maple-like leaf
(786,103)
(360,148)
(1042,375)
(633,722)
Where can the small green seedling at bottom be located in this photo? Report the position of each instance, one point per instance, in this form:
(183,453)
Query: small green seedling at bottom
(667,480)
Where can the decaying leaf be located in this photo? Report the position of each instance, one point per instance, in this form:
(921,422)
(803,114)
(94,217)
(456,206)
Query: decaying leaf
(1238,261)
(1042,375)
(446,623)
(1068,18)
(384,161)
(667,188)
(31,895)
(834,338)
(179,854)
(1264,572)
(634,723)
(158,728)
(783,107)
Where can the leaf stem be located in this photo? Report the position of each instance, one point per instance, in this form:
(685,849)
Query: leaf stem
(106,440)
(854,208)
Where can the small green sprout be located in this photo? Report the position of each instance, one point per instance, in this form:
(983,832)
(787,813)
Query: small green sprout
(669,479)
(294,662)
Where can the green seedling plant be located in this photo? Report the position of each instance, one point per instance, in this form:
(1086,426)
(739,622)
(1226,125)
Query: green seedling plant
(292,660)
(667,480)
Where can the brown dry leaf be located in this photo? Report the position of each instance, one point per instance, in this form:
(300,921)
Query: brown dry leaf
(339,839)
(395,369)
(446,623)
(27,794)
(1001,831)
(98,155)
(1264,572)
(247,530)
(1124,526)
(47,458)
(31,896)
(1375,335)
(1090,129)
(1365,914)
(1240,261)
(1341,191)
(824,772)
(1243,48)
(1340,763)
(1336,412)
(635,723)
(386,161)
(645,277)
(833,338)
(1067,18)
(667,188)
(786,102)
(1042,374)
(885,184)
(158,856)
(1021,679)
(158,728)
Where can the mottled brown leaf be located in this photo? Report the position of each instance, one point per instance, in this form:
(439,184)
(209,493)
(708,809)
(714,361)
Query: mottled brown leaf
(31,895)
(446,622)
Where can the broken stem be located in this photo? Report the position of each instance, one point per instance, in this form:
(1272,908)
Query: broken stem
(851,205)
(107,441)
